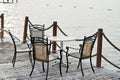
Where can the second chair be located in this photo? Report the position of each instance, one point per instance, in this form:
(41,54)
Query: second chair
(20,49)
(84,52)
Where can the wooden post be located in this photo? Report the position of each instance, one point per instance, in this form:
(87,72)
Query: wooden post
(2,25)
(25,29)
(99,48)
(54,34)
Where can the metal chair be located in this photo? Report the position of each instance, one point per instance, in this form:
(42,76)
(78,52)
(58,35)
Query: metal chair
(84,52)
(20,49)
(41,52)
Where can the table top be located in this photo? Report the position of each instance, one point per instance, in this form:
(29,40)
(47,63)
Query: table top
(61,38)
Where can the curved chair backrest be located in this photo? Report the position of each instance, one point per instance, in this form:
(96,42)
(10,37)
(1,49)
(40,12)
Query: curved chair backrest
(41,49)
(88,45)
(13,40)
(36,31)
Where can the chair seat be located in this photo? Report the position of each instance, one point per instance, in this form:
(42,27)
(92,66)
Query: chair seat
(52,57)
(23,48)
(77,55)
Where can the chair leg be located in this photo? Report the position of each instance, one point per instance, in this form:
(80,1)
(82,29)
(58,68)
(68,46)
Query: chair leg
(32,68)
(47,70)
(67,63)
(60,62)
(78,64)
(91,65)
(14,59)
(30,58)
(43,67)
(60,68)
(81,67)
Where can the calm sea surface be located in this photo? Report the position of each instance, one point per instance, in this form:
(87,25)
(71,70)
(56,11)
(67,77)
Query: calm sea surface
(75,17)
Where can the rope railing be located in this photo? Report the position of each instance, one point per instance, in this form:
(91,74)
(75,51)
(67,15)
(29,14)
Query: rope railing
(83,39)
(110,62)
(47,28)
(29,23)
(33,25)
(62,31)
(111,42)
(114,47)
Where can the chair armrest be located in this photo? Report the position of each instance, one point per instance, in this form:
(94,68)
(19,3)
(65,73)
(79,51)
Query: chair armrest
(80,46)
(68,47)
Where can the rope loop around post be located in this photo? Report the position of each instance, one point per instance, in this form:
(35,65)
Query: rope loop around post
(38,24)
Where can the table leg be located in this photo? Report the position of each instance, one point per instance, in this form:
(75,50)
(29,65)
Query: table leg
(61,47)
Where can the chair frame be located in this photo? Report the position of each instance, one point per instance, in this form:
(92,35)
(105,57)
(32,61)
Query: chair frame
(48,47)
(19,51)
(80,50)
